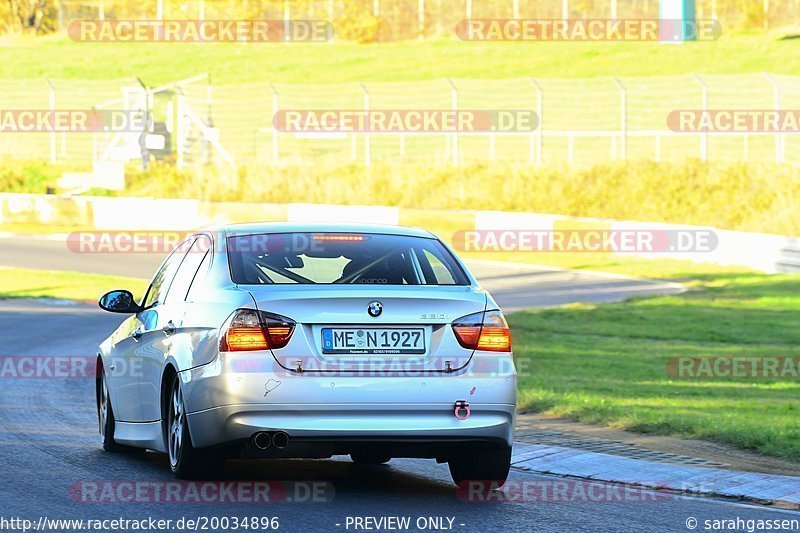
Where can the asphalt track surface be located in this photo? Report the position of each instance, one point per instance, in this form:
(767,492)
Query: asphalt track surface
(514,286)
(50,454)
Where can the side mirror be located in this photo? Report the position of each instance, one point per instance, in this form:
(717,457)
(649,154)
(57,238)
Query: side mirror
(119,302)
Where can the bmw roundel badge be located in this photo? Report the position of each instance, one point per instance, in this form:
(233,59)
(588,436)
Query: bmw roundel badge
(375,309)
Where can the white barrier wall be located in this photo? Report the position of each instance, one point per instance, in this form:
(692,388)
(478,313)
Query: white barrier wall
(343,213)
(145,213)
(759,251)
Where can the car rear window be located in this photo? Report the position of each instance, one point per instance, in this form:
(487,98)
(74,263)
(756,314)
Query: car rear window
(347,258)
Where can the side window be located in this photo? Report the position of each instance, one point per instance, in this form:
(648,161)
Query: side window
(434,268)
(163,278)
(188,269)
(198,277)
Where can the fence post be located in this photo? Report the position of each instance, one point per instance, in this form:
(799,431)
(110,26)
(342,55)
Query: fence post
(468,10)
(275,147)
(421,20)
(367,136)
(148,120)
(515,9)
(202,11)
(539,132)
(779,138)
(564,9)
(454,97)
(179,130)
(623,117)
(160,10)
(287,14)
(376,8)
(614,10)
(52,112)
(704,104)
(209,99)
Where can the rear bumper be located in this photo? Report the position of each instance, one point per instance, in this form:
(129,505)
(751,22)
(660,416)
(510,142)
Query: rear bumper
(225,406)
(330,423)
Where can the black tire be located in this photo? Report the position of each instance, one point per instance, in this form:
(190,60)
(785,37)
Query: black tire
(369,458)
(105,418)
(483,465)
(185,461)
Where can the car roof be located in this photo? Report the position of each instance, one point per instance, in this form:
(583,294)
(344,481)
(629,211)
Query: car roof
(232,230)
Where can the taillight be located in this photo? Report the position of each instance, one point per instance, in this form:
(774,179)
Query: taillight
(248,330)
(483,331)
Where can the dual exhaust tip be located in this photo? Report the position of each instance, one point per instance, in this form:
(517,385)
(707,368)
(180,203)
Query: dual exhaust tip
(265,439)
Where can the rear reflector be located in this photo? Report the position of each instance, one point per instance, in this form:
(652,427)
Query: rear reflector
(483,331)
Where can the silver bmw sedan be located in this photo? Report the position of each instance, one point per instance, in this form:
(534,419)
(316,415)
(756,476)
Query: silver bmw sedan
(280,340)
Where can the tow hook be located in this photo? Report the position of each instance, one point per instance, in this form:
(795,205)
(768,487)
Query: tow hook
(462,411)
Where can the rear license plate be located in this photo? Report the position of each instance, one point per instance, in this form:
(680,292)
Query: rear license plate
(373,340)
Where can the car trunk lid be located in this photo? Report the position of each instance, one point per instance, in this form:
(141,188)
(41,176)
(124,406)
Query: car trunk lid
(337,331)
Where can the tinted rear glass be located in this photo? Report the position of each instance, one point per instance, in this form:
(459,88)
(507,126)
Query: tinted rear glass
(354,258)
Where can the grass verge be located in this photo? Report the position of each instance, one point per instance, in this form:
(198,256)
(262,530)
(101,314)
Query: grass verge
(607,364)
(26,283)
(759,197)
(733,53)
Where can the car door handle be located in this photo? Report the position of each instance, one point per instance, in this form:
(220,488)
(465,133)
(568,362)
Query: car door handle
(169,329)
(137,334)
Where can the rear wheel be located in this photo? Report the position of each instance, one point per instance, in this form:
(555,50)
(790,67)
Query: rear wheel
(185,461)
(369,458)
(105,418)
(484,465)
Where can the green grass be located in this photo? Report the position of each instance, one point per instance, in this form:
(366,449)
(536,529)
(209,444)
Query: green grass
(607,364)
(155,63)
(26,283)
